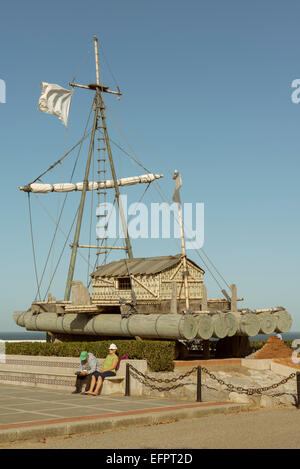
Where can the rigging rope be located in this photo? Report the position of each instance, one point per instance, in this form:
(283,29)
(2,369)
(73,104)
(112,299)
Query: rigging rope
(60,194)
(81,66)
(199,255)
(115,242)
(33,248)
(61,159)
(91,217)
(102,241)
(58,262)
(53,220)
(215,268)
(109,67)
(57,222)
(159,190)
(164,198)
(135,160)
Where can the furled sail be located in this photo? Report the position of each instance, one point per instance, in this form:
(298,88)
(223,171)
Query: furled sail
(92,186)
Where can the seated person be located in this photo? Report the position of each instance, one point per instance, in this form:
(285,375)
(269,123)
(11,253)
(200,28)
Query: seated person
(108,368)
(88,365)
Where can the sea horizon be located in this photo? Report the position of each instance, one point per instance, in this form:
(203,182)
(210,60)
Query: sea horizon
(41,336)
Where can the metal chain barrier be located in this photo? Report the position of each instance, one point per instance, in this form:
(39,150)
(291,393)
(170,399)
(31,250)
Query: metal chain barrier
(250,391)
(144,379)
(150,381)
(278,394)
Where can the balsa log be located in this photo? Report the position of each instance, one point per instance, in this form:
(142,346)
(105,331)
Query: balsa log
(268,323)
(205,326)
(165,326)
(18,317)
(232,323)
(220,325)
(147,326)
(248,324)
(284,321)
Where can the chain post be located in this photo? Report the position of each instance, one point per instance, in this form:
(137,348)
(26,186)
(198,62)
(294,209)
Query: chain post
(127,378)
(298,389)
(199,396)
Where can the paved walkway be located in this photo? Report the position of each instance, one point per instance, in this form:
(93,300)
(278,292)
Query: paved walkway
(30,413)
(259,429)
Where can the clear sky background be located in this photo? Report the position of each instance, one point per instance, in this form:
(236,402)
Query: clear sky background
(206,89)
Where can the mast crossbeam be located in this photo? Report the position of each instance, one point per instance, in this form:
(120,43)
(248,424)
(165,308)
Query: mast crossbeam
(97,247)
(94,86)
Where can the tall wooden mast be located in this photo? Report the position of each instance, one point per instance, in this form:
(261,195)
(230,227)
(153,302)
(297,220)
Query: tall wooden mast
(99,108)
(111,161)
(176,198)
(80,210)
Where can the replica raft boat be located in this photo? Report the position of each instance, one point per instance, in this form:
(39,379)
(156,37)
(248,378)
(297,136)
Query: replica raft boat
(153,298)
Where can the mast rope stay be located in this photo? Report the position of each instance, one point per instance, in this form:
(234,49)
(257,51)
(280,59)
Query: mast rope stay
(198,251)
(98,106)
(61,254)
(60,195)
(33,248)
(165,199)
(60,159)
(109,67)
(83,62)
(117,238)
(53,220)
(159,190)
(57,221)
(115,242)
(91,217)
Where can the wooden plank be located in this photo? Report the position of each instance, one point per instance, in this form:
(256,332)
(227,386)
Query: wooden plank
(84,309)
(144,286)
(176,271)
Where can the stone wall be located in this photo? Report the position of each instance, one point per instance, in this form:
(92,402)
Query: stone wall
(58,373)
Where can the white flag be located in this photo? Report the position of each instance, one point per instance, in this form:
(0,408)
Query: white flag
(55,100)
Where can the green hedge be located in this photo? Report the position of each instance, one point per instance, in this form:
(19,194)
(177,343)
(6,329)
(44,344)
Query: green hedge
(159,354)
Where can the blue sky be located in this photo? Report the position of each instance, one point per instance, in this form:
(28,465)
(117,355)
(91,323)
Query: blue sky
(206,89)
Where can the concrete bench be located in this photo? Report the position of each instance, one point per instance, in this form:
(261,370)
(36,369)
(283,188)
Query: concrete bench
(58,373)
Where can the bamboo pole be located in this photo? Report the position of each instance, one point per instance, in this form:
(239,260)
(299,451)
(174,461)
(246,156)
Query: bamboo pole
(96,59)
(97,103)
(80,212)
(176,198)
(109,152)
(92,87)
(98,247)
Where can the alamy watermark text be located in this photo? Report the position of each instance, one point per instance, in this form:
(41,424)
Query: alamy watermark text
(2,91)
(160,221)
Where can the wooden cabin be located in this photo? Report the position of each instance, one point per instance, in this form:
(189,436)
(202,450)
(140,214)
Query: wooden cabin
(155,281)
(151,284)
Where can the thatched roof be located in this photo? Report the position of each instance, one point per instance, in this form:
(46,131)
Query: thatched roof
(139,266)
